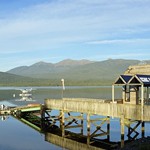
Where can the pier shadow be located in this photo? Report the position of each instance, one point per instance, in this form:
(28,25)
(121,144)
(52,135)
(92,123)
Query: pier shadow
(73,130)
(58,135)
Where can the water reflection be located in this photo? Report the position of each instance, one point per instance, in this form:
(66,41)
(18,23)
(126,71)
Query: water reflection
(17,136)
(41,93)
(58,135)
(4,117)
(25,98)
(80,131)
(16,132)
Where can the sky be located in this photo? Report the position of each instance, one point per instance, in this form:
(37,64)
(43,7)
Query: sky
(54,30)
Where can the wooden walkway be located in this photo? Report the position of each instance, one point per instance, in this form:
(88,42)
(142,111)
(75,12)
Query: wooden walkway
(89,106)
(18,109)
(98,107)
(128,114)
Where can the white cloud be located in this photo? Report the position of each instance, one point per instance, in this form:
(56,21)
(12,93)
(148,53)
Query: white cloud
(123,55)
(58,23)
(120,41)
(130,55)
(75,16)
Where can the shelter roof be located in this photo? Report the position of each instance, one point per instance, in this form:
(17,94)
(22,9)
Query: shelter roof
(133,79)
(123,79)
(140,79)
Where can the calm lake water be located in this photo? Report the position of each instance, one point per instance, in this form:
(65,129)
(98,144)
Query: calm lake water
(17,136)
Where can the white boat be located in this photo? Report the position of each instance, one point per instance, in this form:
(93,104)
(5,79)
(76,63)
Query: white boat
(26,93)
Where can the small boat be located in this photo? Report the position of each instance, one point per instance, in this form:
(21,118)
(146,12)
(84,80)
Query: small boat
(26,92)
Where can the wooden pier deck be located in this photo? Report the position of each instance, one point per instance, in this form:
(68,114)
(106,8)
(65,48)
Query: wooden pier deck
(98,107)
(127,113)
(19,109)
(27,108)
(130,115)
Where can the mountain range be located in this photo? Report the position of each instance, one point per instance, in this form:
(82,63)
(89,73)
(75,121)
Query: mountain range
(75,72)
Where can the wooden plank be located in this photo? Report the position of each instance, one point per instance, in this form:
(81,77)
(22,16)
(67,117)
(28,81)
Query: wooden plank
(97,107)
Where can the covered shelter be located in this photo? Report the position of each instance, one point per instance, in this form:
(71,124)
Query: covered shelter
(135,89)
(122,80)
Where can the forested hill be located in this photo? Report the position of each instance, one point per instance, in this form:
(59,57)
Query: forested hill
(7,79)
(83,72)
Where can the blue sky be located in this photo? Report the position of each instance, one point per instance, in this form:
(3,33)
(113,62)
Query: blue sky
(53,30)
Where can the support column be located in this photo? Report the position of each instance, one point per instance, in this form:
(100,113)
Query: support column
(113,93)
(88,129)
(108,129)
(129,137)
(113,99)
(142,100)
(62,123)
(82,124)
(142,95)
(42,113)
(122,130)
(147,96)
(143,129)
(60,120)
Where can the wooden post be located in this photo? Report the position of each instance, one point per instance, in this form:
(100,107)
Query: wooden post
(42,113)
(143,129)
(113,93)
(142,95)
(147,96)
(63,123)
(108,128)
(113,99)
(88,129)
(142,100)
(122,130)
(129,137)
(82,124)
(60,120)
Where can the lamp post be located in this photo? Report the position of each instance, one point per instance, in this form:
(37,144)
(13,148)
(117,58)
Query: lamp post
(63,87)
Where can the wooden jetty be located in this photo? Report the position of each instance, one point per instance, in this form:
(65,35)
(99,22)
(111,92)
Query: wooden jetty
(27,108)
(20,109)
(133,110)
(97,107)
(130,115)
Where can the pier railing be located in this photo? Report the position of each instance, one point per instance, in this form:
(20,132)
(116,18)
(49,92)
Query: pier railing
(99,107)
